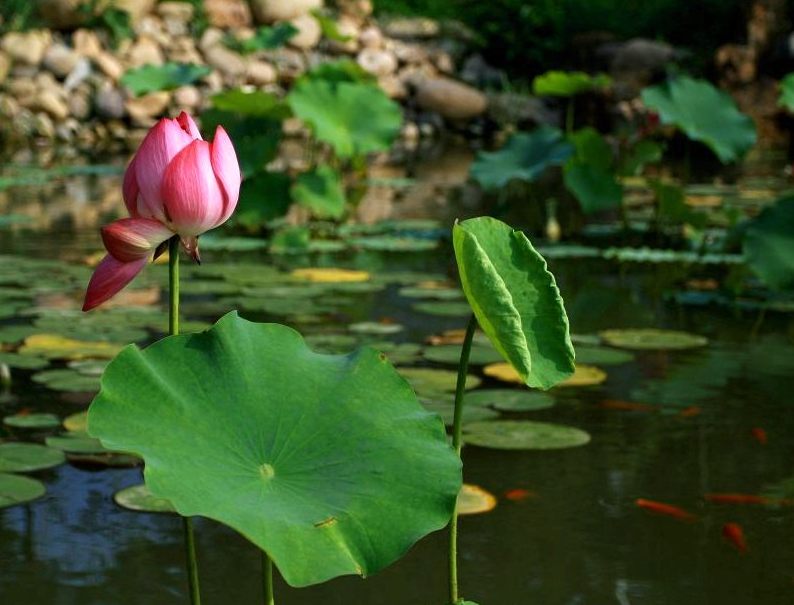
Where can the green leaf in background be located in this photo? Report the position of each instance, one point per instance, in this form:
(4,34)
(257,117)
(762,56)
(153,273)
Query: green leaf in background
(342,70)
(515,300)
(329,27)
(19,490)
(246,425)
(291,240)
(643,153)
(263,197)
(786,99)
(321,192)
(672,207)
(153,78)
(355,119)
(524,157)
(265,38)
(254,103)
(704,113)
(769,245)
(596,190)
(256,138)
(568,83)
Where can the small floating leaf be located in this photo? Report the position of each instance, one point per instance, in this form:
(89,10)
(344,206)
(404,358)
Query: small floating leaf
(330,275)
(54,346)
(27,457)
(429,380)
(140,499)
(23,362)
(515,300)
(19,490)
(602,356)
(445,308)
(474,500)
(76,444)
(479,354)
(446,410)
(652,339)
(76,423)
(375,327)
(523,435)
(510,400)
(32,421)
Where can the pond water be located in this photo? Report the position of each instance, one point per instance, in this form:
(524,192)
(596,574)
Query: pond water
(578,538)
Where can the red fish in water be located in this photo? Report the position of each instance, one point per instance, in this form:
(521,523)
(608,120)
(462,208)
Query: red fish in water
(734,534)
(519,494)
(734,498)
(759,435)
(690,412)
(665,509)
(626,406)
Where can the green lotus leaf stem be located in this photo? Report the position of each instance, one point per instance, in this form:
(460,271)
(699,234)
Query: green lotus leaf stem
(457,425)
(173,329)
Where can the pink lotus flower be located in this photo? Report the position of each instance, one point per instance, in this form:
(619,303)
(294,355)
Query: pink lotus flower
(176,184)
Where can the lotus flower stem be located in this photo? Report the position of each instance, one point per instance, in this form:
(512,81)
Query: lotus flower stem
(173,329)
(457,423)
(267,577)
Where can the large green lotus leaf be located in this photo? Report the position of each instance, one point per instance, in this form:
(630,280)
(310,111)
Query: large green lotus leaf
(524,157)
(568,83)
(19,490)
(596,189)
(354,118)
(515,300)
(327,462)
(263,197)
(705,114)
(787,93)
(321,192)
(151,78)
(769,245)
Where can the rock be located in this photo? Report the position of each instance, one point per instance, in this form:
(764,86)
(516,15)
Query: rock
(183,50)
(636,63)
(378,62)
(477,72)
(49,102)
(393,86)
(187,97)
(28,47)
(81,71)
(371,37)
(145,52)
(5,66)
(143,110)
(412,27)
(736,65)
(214,82)
(176,17)
(450,99)
(109,65)
(514,109)
(358,9)
(211,37)
(135,8)
(261,73)
(60,60)
(412,54)
(348,28)
(67,130)
(443,61)
(152,26)
(270,11)
(308,34)
(227,13)
(86,43)
(289,63)
(109,103)
(228,62)
(43,126)
(60,14)
(79,106)
(23,90)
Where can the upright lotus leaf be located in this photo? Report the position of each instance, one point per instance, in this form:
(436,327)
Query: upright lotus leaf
(568,83)
(705,114)
(769,245)
(787,93)
(327,462)
(524,157)
(321,192)
(354,118)
(590,174)
(515,300)
(152,78)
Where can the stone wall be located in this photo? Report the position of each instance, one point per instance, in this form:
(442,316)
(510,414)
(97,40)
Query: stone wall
(62,84)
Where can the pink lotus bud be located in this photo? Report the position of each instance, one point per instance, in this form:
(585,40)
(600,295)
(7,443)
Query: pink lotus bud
(131,239)
(109,279)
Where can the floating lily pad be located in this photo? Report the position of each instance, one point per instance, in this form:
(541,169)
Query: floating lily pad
(523,435)
(509,400)
(445,308)
(140,499)
(429,380)
(76,444)
(54,346)
(391,243)
(274,463)
(23,362)
(330,275)
(332,342)
(446,410)
(76,423)
(653,339)
(27,457)
(602,356)
(32,421)
(515,300)
(67,380)
(19,490)
(374,327)
(474,500)
(583,375)
(403,352)
(89,367)
(479,354)
(432,293)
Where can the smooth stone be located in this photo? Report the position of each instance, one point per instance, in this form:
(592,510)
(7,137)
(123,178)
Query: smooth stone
(450,99)
(309,32)
(377,62)
(146,51)
(261,73)
(228,13)
(28,47)
(60,60)
(109,103)
(145,108)
(270,11)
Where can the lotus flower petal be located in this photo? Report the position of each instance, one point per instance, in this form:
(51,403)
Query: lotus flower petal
(109,278)
(227,170)
(130,239)
(192,196)
(188,125)
(130,190)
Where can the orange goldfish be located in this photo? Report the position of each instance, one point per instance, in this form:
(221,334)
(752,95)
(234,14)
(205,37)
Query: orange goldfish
(665,509)
(734,534)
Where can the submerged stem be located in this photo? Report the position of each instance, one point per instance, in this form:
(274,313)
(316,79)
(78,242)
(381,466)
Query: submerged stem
(457,424)
(267,577)
(173,329)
